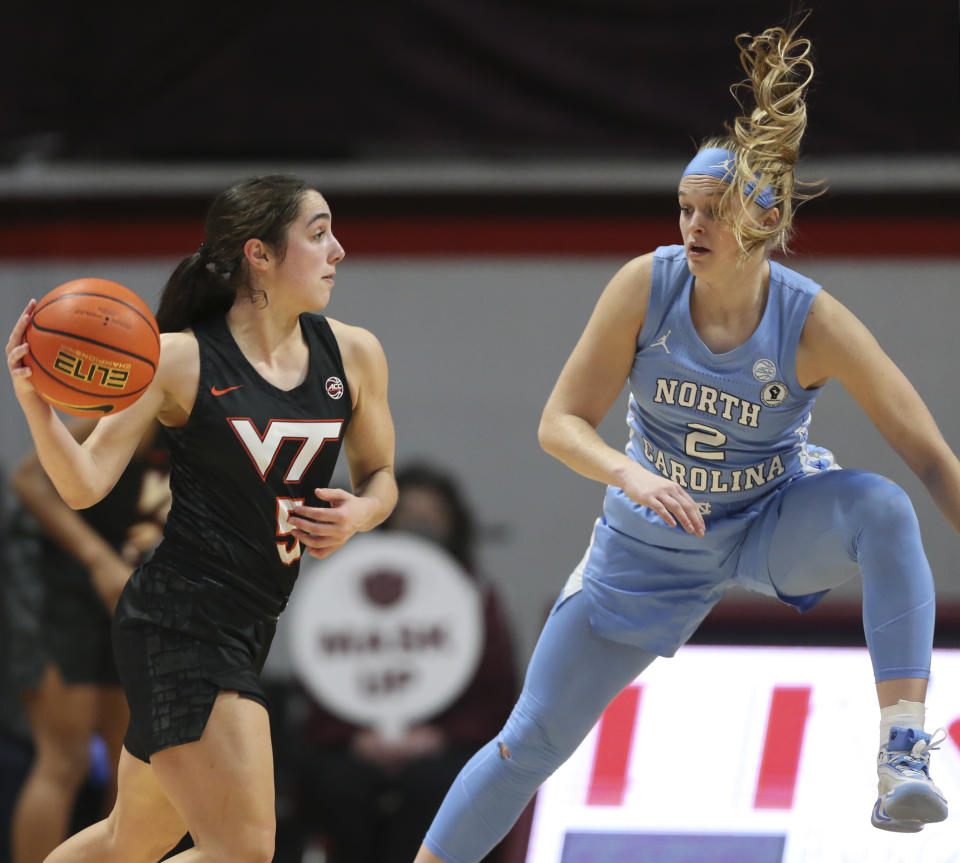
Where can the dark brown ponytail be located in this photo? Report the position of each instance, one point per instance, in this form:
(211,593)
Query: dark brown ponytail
(206,283)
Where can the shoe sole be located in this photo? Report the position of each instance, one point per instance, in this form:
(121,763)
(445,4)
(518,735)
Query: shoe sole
(914,802)
(897,826)
(882,821)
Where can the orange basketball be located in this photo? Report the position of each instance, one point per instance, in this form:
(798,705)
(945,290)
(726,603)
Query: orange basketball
(94,347)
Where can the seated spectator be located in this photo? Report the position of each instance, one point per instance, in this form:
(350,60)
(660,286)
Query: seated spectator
(368,798)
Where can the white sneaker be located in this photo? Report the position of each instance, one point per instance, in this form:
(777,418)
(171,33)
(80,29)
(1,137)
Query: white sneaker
(908,799)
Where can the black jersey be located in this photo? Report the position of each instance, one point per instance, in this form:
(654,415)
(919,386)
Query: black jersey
(247,454)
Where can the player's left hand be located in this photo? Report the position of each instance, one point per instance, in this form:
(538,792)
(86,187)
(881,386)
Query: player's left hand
(322,530)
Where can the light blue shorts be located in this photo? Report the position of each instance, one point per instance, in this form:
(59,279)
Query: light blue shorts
(653,586)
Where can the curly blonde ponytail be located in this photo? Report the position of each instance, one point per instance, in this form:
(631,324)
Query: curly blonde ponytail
(766,141)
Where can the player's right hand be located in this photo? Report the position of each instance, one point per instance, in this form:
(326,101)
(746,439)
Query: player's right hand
(666,498)
(17,349)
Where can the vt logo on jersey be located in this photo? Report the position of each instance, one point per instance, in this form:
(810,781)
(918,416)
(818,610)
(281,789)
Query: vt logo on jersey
(263,449)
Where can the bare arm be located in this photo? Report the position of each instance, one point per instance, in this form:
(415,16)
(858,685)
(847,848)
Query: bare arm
(64,526)
(369,449)
(68,529)
(836,344)
(83,474)
(370,440)
(591,379)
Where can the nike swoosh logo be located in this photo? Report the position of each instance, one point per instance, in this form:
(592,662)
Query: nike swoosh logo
(217,392)
(78,410)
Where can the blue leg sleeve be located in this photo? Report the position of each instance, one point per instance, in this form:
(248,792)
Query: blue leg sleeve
(572,676)
(839,521)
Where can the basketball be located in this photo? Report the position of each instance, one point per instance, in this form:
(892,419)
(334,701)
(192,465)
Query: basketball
(94,347)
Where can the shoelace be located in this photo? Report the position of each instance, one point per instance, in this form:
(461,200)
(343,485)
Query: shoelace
(918,759)
(922,747)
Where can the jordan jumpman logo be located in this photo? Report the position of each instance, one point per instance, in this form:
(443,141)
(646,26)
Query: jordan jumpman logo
(662,341)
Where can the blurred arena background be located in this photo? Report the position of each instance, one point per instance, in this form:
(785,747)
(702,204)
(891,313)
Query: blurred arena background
(490,165)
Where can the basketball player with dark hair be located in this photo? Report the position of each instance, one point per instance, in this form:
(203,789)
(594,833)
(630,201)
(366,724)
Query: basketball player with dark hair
(256,394)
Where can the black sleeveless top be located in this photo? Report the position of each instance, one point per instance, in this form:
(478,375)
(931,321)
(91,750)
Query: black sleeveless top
(248,452)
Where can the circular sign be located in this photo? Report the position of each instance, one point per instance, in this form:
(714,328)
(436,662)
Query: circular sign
(387,632)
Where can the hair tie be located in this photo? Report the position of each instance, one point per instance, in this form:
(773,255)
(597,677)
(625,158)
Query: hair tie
(203,250)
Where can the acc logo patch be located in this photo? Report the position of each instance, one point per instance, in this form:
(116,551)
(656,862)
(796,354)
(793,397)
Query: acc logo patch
(774,394)
(764,370)
(334,387)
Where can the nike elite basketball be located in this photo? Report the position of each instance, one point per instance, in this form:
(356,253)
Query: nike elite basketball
(94,347)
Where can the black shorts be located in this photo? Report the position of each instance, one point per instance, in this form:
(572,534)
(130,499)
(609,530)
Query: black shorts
(179,639)
(75,623)
(56,616)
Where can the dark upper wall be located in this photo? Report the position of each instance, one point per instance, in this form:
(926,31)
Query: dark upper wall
(377,79)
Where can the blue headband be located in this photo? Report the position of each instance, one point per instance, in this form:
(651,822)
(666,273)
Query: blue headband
(719,163)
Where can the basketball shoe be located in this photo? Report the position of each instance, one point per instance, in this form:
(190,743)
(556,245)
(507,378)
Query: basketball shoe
(908,798)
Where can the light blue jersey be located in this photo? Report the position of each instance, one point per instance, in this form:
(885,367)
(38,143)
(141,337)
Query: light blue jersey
(728,427)
(731,428)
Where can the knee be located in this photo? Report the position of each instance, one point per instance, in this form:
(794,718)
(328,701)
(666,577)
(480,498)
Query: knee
(253,843)
(65,762)
(526,744)
(260,851)
(139,842)
(138,850)
(878,503)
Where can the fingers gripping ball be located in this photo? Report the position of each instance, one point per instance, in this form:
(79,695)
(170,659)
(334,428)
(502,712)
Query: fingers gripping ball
(94,347)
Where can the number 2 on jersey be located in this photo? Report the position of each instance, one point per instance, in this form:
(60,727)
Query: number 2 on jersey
(705,436)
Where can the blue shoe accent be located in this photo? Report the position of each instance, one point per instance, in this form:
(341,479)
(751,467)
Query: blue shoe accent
(903,739)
